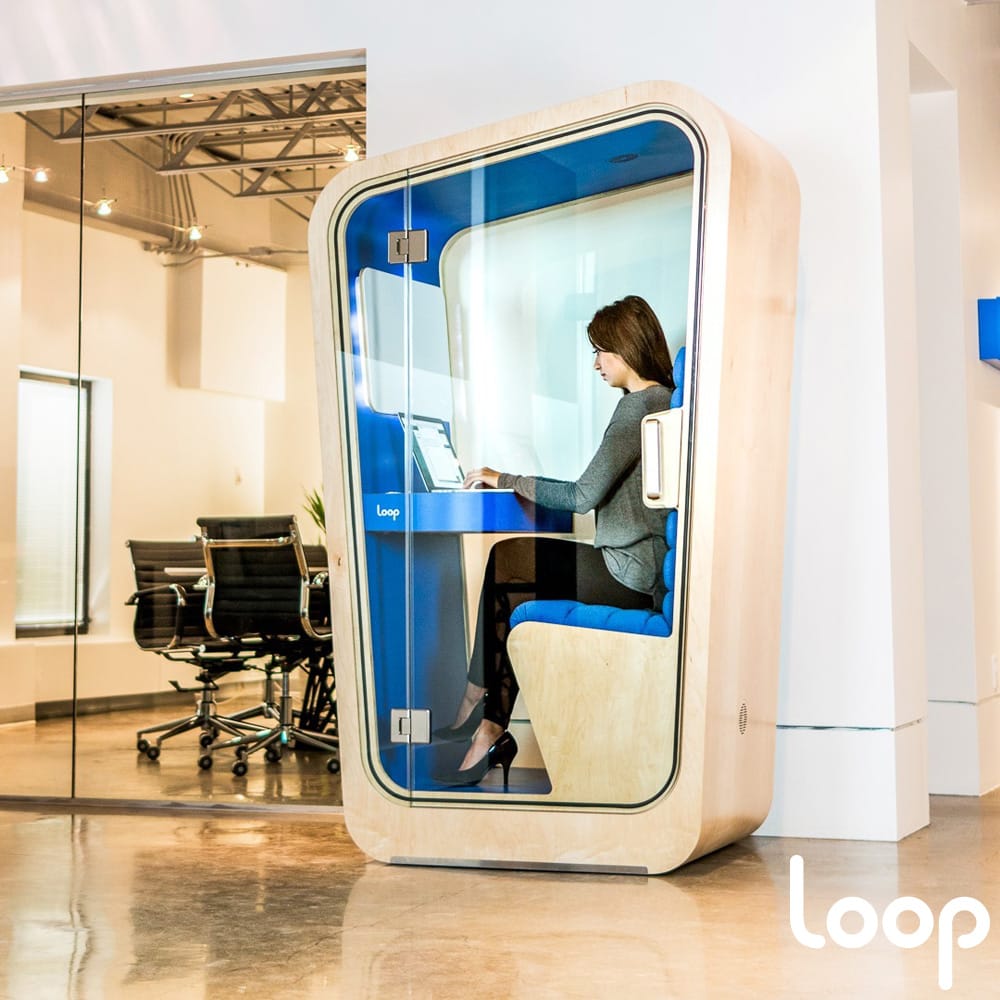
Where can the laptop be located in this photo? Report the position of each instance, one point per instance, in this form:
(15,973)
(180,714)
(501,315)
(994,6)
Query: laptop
(435,454)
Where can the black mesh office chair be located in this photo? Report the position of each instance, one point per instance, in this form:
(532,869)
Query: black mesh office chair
(169,620)
(261,589)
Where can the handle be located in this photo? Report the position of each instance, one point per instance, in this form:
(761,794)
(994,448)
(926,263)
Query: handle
(652,478)
(661,458)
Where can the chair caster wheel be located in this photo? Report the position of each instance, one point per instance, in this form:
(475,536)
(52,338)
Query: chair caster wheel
(333,765)
(142,744)
(205,761)
(240,768)
(153,752)
(206,740)
(272,756)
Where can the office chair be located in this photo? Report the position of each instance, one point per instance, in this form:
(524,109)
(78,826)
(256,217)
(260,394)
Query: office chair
(169,620)
(261,590)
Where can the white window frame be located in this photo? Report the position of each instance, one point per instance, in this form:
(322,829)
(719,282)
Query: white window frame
(77,618)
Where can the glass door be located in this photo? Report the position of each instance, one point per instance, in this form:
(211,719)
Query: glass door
(472,335)
(523,248)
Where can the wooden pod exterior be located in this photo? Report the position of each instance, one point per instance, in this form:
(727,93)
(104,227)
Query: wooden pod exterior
(726,637)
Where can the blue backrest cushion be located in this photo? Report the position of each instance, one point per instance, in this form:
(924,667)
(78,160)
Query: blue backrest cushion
(677,397)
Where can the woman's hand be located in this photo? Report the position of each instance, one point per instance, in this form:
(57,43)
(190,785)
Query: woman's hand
(481,477)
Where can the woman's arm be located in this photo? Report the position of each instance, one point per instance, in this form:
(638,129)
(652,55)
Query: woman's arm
(620,449)
(481,477)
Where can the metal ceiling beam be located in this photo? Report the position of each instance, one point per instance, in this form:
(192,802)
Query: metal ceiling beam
(224,125)
(194,104)
(283,193)
(339,131)
(192,140)
(288,162)
(268,171)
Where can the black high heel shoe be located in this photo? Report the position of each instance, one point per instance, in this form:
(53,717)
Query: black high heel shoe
(501,754)
(455,734)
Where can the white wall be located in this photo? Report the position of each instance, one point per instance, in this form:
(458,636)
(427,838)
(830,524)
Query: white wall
(291,451)
(961,48)
(832,93)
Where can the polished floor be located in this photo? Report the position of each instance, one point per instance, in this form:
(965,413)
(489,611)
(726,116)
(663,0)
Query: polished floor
(184,903)
(40,759)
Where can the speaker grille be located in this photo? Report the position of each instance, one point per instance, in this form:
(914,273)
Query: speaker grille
(743,718)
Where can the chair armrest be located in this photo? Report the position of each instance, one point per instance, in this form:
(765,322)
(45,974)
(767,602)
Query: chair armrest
(317,614)
(178,590)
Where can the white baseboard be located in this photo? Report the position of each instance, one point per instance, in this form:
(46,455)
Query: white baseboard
(849,784)
(964,746)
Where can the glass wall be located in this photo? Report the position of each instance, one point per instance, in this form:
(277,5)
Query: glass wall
(158,355)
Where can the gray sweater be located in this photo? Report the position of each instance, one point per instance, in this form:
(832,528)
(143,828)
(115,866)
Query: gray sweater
(629,534)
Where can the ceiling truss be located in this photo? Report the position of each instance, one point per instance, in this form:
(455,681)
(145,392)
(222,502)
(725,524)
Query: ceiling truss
(279,140)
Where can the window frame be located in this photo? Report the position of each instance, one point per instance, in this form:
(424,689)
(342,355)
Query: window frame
(80,624)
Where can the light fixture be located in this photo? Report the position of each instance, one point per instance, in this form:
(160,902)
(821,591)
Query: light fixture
(194,233)
(103,206)
(351,153)
(39,174)
(187,95)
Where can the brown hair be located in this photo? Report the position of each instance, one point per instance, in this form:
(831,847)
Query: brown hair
(630,329)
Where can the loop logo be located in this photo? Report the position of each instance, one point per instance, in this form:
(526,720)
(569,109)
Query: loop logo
(381,511)
(890,922)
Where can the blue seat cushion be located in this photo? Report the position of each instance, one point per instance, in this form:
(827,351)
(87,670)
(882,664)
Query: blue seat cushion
(591,616)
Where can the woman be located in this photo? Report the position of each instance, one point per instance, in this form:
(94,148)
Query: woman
(623,566)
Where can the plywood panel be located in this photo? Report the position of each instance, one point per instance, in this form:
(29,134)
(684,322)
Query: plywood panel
(602,706)
(728,624)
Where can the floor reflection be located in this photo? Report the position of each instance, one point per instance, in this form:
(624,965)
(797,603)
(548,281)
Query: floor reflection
(108,906)
(108,765)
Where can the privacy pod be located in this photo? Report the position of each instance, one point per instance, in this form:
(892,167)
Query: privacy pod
(453,283)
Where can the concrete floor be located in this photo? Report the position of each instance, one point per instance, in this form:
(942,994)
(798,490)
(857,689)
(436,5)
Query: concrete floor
(186,903)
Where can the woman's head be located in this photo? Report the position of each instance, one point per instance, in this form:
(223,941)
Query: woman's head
(630,329)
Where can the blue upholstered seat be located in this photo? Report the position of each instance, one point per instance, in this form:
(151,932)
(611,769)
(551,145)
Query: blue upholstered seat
(609,619)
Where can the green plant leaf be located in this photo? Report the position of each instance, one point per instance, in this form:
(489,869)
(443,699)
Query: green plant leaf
(314,508)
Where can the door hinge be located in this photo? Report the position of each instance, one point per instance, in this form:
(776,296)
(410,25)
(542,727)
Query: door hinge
(410,725)
(408,246)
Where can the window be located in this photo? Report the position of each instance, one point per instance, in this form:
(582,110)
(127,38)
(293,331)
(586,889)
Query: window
(53,436)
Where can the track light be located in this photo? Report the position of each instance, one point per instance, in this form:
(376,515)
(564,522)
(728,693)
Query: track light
(39,174)
(103,206)
(194,233)
(351,153)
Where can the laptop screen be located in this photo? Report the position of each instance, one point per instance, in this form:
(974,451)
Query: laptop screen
(434,453)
